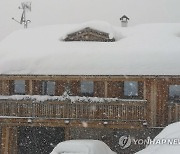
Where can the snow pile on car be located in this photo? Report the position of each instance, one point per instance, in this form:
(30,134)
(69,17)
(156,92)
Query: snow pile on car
(168,141)
(82,147)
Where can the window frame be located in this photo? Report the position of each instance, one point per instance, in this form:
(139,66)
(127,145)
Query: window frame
(172,98)
(132,96)
(87,94)
(14,87)
(44,88)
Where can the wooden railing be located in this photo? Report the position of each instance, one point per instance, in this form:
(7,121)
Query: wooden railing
(122,110)
(173,112)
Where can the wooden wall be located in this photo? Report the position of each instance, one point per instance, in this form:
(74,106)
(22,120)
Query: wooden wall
(154,89)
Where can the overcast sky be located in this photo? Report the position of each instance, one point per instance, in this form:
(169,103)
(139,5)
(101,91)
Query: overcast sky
(48,12)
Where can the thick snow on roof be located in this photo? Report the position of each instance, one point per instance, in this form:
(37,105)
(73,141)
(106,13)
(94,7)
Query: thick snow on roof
(150,49)
(168,141)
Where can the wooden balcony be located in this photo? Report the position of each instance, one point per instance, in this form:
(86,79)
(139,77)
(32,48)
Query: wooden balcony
(118,111)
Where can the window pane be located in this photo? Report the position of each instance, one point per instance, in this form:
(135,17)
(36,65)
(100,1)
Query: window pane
(87,88)
(43,90)
(50,88)
(131,88)
(174,91)
(19,87)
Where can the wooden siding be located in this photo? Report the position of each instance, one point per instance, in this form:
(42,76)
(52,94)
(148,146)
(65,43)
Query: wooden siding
(36,86)
(9,140)
(75,87)
(162,97)
(154,89)
(173,112)
(60,87)
(115,89)
(27,87)
(1,87)
(11,87)
(99,89)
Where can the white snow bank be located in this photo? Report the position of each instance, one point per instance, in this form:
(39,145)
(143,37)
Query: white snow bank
(171,136)
(151,49)
(82,147)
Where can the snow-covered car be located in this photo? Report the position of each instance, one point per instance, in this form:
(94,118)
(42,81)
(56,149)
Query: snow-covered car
(166,142)
(82,147)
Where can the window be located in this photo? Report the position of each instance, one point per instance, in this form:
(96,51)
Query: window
(174,92)
(48,88)
(87,88)
(130,88)
(19,87)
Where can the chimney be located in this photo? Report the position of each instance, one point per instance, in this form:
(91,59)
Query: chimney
(124,21)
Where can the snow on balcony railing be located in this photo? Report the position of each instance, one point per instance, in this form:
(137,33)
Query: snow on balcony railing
(123,110)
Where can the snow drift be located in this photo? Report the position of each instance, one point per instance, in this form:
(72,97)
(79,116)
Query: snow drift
(171,137)
(82,147)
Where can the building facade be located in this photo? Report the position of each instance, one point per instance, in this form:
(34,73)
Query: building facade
(82,92)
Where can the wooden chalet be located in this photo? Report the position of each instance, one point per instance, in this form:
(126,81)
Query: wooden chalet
(94,106)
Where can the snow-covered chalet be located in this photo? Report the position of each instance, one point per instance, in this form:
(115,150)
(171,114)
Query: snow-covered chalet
(87,81)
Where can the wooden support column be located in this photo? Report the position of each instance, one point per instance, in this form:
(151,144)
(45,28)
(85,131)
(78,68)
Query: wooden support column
(67,133)
(144,90)
(9,140)
(150,94)
(5,87)
(153,103)
(30,87)
(105,89)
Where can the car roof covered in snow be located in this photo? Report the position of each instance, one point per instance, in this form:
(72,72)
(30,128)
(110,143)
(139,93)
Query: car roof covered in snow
(82,147)
(149,49)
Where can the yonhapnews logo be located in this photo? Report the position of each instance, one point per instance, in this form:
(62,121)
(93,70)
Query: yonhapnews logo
(126,141)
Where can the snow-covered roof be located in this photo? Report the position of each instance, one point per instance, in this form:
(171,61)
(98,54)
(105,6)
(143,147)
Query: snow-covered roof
(149,49)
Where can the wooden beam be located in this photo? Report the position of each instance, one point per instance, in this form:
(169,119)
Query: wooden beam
(153,103)
(67,133)
(9,140)
(5,87)
(105,89)
(16,122)
(30,87)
